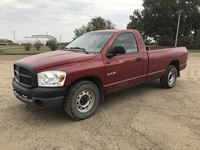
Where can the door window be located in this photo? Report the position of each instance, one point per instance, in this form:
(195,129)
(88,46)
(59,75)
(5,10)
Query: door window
(127,40)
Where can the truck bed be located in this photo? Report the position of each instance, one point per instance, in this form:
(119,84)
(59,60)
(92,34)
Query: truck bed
(160,57)
(156,47)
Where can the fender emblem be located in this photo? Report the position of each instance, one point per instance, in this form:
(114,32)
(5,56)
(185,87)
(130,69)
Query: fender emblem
(111,73)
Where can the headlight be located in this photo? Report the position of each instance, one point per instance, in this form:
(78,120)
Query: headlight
(51,78)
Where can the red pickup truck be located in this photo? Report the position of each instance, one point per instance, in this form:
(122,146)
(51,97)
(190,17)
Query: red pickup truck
(95,64)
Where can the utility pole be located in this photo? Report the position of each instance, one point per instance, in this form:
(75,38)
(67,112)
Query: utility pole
(60,38)
(14,35)
(178,26)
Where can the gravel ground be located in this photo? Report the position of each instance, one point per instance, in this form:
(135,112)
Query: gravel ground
(145,117)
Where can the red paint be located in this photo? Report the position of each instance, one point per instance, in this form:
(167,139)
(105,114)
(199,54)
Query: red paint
(129,72)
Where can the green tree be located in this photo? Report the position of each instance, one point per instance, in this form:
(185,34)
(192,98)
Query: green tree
(52,44)
(158,20)
(27,46)
(6,41)
(63,45)
(196,42)
(37,45)
(96,23)
(80,31)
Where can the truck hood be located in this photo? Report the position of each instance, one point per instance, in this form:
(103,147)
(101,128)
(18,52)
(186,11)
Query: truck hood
(55,58)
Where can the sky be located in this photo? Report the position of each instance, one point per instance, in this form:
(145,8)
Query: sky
(60,17)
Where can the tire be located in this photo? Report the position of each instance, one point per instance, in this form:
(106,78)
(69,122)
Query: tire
(169,79)
(82,100)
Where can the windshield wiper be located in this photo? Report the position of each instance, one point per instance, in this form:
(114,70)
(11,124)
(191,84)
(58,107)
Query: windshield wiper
(79,48)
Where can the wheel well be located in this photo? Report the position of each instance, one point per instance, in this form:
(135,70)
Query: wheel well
(176,64)
(96,81)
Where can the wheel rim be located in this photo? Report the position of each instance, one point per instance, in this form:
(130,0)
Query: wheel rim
(85,101)
(171,78)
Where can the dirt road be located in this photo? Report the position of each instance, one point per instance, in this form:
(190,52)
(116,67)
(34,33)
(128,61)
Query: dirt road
(140,118)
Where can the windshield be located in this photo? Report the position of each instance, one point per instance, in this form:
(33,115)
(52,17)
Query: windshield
(91,42)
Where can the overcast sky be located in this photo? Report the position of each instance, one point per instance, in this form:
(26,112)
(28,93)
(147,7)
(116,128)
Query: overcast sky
(59,17)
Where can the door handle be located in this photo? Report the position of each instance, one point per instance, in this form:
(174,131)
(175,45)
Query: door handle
(139,59)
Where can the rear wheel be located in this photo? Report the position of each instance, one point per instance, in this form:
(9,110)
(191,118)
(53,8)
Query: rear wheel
(169,78)
(82,100)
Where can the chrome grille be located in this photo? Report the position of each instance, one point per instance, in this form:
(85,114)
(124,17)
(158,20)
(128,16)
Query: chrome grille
(24,76)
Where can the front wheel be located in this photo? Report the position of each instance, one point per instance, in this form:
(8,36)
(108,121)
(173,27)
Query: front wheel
(82,100)
(169,78)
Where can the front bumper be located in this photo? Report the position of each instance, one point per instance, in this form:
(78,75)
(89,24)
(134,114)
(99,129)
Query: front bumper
(48,97)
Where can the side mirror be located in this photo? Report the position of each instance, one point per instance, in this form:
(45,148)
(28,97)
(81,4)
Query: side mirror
(116,50)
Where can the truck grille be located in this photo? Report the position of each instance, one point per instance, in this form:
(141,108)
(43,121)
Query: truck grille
(25,76)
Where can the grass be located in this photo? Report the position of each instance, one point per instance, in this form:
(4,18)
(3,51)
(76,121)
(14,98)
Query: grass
(193,51)
(19,50)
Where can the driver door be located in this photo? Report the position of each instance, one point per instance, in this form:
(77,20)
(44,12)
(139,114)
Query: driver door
(127,69)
